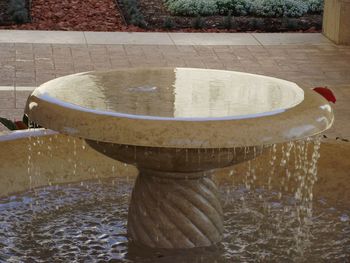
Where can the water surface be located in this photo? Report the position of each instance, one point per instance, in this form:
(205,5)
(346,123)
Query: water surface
(87,222)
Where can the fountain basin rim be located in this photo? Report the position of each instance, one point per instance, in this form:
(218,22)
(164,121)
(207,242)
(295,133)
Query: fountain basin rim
(44,95)
(49,99)
(40,132)
(23,134)
(308,118)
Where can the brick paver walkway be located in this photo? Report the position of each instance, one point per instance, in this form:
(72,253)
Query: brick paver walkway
(25,65)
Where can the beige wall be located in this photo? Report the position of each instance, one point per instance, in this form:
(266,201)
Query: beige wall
(336,21)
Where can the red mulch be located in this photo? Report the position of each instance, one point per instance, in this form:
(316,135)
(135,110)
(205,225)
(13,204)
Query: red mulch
(79,15)
(105,15)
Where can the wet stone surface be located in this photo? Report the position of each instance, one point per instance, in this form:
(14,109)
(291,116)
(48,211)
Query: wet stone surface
(86,222)
(173,93)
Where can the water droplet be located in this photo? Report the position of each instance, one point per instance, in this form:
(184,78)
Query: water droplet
(344,218)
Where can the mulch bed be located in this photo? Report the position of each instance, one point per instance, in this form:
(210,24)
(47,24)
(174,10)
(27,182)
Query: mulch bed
(79,15)
(108,15)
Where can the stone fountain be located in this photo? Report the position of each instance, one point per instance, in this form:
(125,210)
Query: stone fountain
(178,126)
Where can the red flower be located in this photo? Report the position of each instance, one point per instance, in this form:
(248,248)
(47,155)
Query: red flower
(20,125)
(326,93)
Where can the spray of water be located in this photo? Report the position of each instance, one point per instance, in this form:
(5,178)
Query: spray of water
(291,168)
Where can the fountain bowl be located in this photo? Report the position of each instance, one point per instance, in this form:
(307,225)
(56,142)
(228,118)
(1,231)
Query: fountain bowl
(177,126)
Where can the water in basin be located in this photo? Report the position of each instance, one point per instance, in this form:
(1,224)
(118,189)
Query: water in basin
(87,222)
(168,123)
(180,93)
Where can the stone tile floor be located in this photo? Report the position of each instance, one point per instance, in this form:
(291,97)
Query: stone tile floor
(24,66)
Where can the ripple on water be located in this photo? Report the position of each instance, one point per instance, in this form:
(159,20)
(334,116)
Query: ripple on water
(87,223)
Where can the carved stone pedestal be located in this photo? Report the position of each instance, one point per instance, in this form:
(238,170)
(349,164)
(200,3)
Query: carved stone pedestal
(175,210)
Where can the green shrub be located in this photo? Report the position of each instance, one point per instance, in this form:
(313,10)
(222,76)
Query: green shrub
(315,6)
(134,14)
(198,22)
(169,23)
(18,11)
(138,20)
(227,21)
(295,8)
(264,8)
(279,8)
(192,7)
(255,23)
(225,6)
(237,7)
(270,8)
(290,23)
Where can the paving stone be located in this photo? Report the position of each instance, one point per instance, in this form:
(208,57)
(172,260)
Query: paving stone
(134,51)
(115,48)
(7,81)
(7,71)
(290,39)
(61,51)
(12,114)
(83,68)
(62,59)
(150,38)
(42,77)
(119,62)
(213,39)
(168,50)
(21,98)
(341,74)
(44,65)
(7,99)
(175,62)
(195,63)
(298,60)
(37,36)
(102,66)
(28,64)
(64,66)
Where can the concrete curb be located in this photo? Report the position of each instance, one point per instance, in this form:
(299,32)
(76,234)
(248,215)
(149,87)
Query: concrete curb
(157,38)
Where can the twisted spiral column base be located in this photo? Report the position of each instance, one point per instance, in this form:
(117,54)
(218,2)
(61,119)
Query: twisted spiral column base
(168,210)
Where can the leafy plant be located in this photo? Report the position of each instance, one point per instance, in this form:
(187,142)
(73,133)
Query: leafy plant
(18,11)
(228,21)
(198,22)
(315,6)
(269,8)
(290,23)
(19,125)
(256,23)
(225,6)
(169,23)
(8,124)
(295,8)
(134,14)
(265,8)
(192,7)
(236,7)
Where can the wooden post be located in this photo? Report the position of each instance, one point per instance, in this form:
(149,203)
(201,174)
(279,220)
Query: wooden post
(336,21)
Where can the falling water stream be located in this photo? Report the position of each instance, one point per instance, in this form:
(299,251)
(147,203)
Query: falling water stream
(272,218)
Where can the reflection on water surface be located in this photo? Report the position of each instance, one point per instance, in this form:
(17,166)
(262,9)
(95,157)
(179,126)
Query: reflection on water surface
(87,222)
(174,93)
